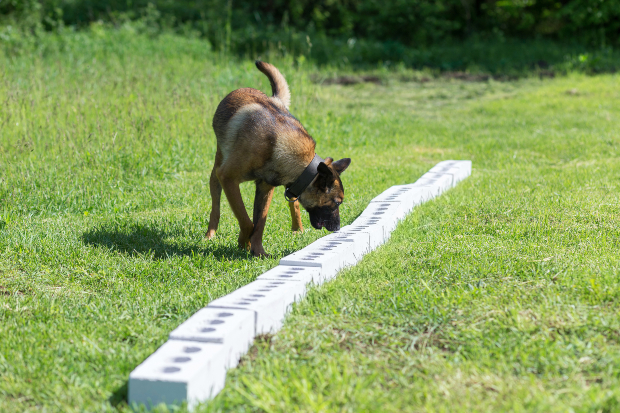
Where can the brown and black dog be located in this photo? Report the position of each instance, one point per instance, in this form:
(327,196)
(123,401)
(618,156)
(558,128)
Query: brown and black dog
(259,140)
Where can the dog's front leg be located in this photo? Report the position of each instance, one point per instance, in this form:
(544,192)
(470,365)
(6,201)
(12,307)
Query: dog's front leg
(296,216)
(262,200)
(233,194)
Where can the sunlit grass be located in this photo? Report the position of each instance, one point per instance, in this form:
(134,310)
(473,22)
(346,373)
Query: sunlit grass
(500,295)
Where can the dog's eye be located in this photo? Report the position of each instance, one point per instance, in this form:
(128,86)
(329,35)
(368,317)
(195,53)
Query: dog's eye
(337,203)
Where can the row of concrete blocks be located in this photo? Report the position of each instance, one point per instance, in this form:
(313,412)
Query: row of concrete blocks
(191,366)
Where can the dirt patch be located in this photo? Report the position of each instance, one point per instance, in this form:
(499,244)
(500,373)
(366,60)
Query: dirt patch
(477,77)
(469,77)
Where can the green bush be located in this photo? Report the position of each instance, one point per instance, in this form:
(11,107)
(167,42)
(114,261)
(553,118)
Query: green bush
(492,35)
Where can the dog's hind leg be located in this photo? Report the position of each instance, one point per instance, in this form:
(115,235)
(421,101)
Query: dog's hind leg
(262,200)
(296,216)
(216,195)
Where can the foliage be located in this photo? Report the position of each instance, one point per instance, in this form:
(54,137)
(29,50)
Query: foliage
(374,31)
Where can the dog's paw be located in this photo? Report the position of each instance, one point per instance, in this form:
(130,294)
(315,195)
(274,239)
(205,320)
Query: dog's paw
(245,244)
(210,234)
(261,254)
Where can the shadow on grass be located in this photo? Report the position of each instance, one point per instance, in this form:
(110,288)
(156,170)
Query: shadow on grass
(140,240)
(119,396)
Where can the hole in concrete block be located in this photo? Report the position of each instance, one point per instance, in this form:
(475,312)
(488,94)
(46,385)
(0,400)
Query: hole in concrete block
(191,349)
(243,303)
(171,369)
(298,268)
(224,315)
(181,359)
(207,330)
(216,322)
(256,295)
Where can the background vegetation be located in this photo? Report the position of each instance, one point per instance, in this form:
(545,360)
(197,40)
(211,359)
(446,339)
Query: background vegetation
(477,35)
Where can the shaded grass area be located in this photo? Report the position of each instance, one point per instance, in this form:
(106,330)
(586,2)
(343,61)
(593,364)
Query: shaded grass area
(500,295)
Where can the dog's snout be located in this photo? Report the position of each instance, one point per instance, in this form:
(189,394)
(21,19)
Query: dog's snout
(325,218)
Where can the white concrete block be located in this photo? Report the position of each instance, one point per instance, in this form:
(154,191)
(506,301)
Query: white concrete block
(458,169)
(179,371)
(372,228)
(359,240)
(328,259)
(233,328)
(292,273)
(435,183)
(443,166)
(379,220)
(270,300)
(464,170)
(408,196)
(345,251)
(391,213)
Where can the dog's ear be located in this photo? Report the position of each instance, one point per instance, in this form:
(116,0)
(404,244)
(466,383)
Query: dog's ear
(341,165)
(326,176)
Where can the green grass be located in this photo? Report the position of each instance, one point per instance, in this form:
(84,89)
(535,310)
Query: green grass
(501,295)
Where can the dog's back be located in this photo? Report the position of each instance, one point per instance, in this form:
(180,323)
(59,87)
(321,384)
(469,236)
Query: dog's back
(259,136)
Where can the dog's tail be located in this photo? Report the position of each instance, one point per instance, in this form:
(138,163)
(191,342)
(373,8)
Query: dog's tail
(279,87)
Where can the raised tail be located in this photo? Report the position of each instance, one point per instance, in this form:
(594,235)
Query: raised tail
(279,87)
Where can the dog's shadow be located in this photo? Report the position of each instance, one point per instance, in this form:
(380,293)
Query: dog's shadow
(145,241)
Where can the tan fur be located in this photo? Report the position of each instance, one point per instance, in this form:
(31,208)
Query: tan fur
(259,140)
(278,83)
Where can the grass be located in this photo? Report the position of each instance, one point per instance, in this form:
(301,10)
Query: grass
(500,295)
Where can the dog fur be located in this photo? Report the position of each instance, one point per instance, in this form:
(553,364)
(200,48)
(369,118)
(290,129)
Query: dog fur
(259,140)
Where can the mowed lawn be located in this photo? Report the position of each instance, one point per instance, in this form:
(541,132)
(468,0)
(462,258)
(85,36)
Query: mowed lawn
(500,295)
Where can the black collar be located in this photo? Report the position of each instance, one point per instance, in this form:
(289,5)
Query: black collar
(292,192)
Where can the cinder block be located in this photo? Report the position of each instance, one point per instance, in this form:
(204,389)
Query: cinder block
(408,196)
(268,299)
(379,220)
(327,258)
(359,240)
(458,169)
(292,273)
(179,371)
(344,251)
(233,328)
(435,183)
(372,228)
(443,166)
(464,170)
(390,213)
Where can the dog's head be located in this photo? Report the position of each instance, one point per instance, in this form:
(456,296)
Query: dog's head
(323,196)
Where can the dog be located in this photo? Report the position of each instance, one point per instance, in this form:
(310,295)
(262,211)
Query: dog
(259,140)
